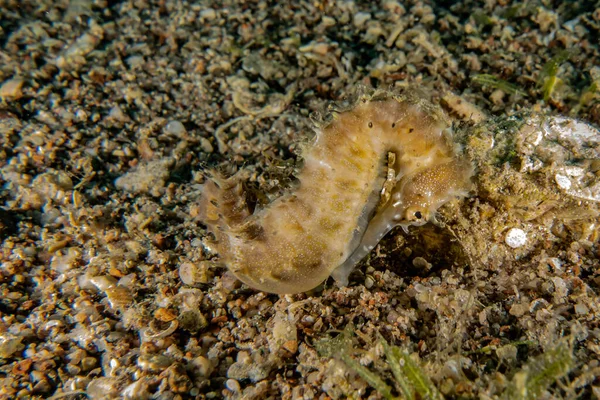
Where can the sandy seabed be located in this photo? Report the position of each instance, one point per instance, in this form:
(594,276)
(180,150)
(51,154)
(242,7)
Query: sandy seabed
(110,111)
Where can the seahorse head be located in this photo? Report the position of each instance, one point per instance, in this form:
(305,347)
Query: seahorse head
(417,196)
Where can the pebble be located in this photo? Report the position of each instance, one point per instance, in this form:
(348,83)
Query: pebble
(206,146)
(103,282)
(420,262)
(233,385)
(146,178)
(175,128)
(195,273)
(9,344)
(202,366)
(117,114)
(562,181)
(515,238)
(11,89)
(208,14)
(581,309)
(360,19)
(518,310)
(81,47)
(137,390)
(328,21)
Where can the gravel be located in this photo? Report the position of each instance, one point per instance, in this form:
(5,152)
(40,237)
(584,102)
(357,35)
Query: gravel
(110,112)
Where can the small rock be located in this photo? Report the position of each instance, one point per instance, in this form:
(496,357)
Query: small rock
(255,369)
(9,344)
(497,97)
(88,363)
(192,321)
(178,380)
(360,19)
(562,181)
(195,273)
(208,14)
(206,146)
(518,310)
(135,61)
(154,363)
(515,238)
(291,347)
(420,262)
(328,21)
(146,178)
(507,353)
(175,128)
(11,89)
(102,388)
(233,385)
(137,390)
(202,366)
(581,309)
(117,114)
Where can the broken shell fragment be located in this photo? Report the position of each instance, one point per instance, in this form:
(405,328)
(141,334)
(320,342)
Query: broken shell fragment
(569,148)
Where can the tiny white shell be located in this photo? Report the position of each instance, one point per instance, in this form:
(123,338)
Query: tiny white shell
(515,238)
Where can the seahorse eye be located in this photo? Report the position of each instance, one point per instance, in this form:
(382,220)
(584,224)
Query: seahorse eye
(418,215)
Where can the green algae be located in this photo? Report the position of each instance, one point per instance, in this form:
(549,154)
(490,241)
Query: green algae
(497,83)
(541,372)
(548,78)
(409,378)
(412,382)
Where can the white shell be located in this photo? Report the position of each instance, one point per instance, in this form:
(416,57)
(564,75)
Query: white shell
(569,147)
(515,238)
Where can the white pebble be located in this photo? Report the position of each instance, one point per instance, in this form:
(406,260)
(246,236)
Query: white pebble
(515,238)
(562,181)
(175,128)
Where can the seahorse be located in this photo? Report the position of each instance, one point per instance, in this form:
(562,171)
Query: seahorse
(388,160)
